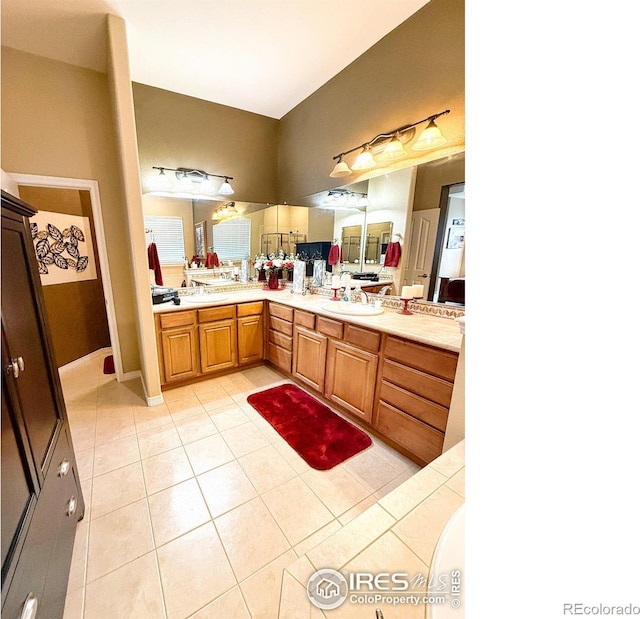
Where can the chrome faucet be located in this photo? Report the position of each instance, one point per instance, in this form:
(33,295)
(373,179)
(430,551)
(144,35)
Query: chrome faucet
(383,291)
(366,296)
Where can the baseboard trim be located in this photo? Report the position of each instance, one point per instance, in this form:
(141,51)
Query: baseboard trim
(73,365)
(131,375)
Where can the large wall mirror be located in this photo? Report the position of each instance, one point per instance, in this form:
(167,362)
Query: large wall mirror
(422,207)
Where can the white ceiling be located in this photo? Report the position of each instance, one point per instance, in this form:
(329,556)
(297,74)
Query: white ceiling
(264,56)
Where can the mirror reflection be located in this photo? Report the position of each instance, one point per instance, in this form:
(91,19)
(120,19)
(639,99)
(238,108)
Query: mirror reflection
(423,208)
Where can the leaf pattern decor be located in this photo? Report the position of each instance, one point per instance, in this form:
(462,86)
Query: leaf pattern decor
(51,244)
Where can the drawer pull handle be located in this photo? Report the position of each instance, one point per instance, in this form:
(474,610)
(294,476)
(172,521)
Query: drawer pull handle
(64,468)
(72,505)
(30,607)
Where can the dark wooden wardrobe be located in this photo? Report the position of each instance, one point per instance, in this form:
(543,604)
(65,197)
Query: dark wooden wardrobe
(41,496)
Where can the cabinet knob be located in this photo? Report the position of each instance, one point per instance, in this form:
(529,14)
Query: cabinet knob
(72,505)
(64,468)
(15,367)
(30,607)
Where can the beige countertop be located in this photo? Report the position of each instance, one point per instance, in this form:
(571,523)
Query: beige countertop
(423,328)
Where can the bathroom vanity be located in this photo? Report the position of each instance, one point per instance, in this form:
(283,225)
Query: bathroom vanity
(392,373)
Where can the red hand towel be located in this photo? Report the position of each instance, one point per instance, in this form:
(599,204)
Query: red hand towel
(392,257)
(208,263)
(154,262)
(334,255)
(216,262)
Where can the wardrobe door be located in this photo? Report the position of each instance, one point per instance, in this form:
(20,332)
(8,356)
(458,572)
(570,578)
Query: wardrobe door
(28,348)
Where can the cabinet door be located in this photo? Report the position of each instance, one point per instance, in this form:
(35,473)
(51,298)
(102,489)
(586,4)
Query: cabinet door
(351,378)
(179,353)
(218,348)
(28,344)
(250,339)
(309,357)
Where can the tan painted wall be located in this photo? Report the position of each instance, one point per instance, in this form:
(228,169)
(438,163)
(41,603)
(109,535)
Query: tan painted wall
(415,71)
(57,120)
(179,131)
(431,178)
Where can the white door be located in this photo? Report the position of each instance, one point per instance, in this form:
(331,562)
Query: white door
(422,243)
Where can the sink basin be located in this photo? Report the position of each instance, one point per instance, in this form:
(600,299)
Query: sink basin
(199,299)
(352,309)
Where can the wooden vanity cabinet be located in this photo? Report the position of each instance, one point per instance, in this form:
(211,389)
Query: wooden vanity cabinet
(250,332)
(217,338)
(280,336)
(416,384)
(309,357)
(178,342)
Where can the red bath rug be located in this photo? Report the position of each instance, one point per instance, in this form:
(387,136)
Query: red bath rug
(321,438)
(108,367)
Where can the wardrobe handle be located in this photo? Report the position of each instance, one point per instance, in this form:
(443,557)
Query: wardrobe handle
(72,504)
(15,367)
(20,361)
(64,468)
(30,607)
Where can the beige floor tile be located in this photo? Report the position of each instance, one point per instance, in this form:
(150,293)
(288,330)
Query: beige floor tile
(113,424)
(316,538)
(178,393)
(402,500)
(236,383)
(266,468)
(357,509)
(265,427)
(78,569)
(115,455)
(177,510)
(131,591)
(225,488)
(157,440)
(188,407)
(211,400)
(336,488)
(148,417)
(393,484)
(296,509)
(351,539)
(207,386)
(83,435)
(422,527)
(292,457)
(74,605)
(84,461)
(117,489)
(118,538)
(250,537)
(294,603)
(451,461)
(166,469)
(194,428)
(230,605)
(227,417)
(194,571)
(244,439)
(456,482)
(207,453)
(301,570)
(371,469)
(262,590)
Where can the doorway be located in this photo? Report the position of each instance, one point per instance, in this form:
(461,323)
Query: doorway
(88,188)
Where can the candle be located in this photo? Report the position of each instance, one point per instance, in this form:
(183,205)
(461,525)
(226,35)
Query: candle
(418,291)
(335,281)
(407,292)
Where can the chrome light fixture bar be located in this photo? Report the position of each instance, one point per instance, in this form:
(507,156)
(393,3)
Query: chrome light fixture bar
(343,199)
(431,137)
(227,211)
(190,183)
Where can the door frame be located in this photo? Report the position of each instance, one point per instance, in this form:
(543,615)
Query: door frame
(56,182)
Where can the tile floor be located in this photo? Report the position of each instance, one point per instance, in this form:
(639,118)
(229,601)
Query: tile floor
(194,508)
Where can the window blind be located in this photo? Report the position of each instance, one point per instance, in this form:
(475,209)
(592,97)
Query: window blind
(232,239)
(168,235)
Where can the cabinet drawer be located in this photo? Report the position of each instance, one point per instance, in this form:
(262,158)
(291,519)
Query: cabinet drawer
(329,327)
(425,385)
(281,311)
(212,314)
(419,438)
(280,339)
(250,309)
(362,338)
(277,324)
(441,363)
(280,357)
(305,319)
(177,319)
(417,407)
